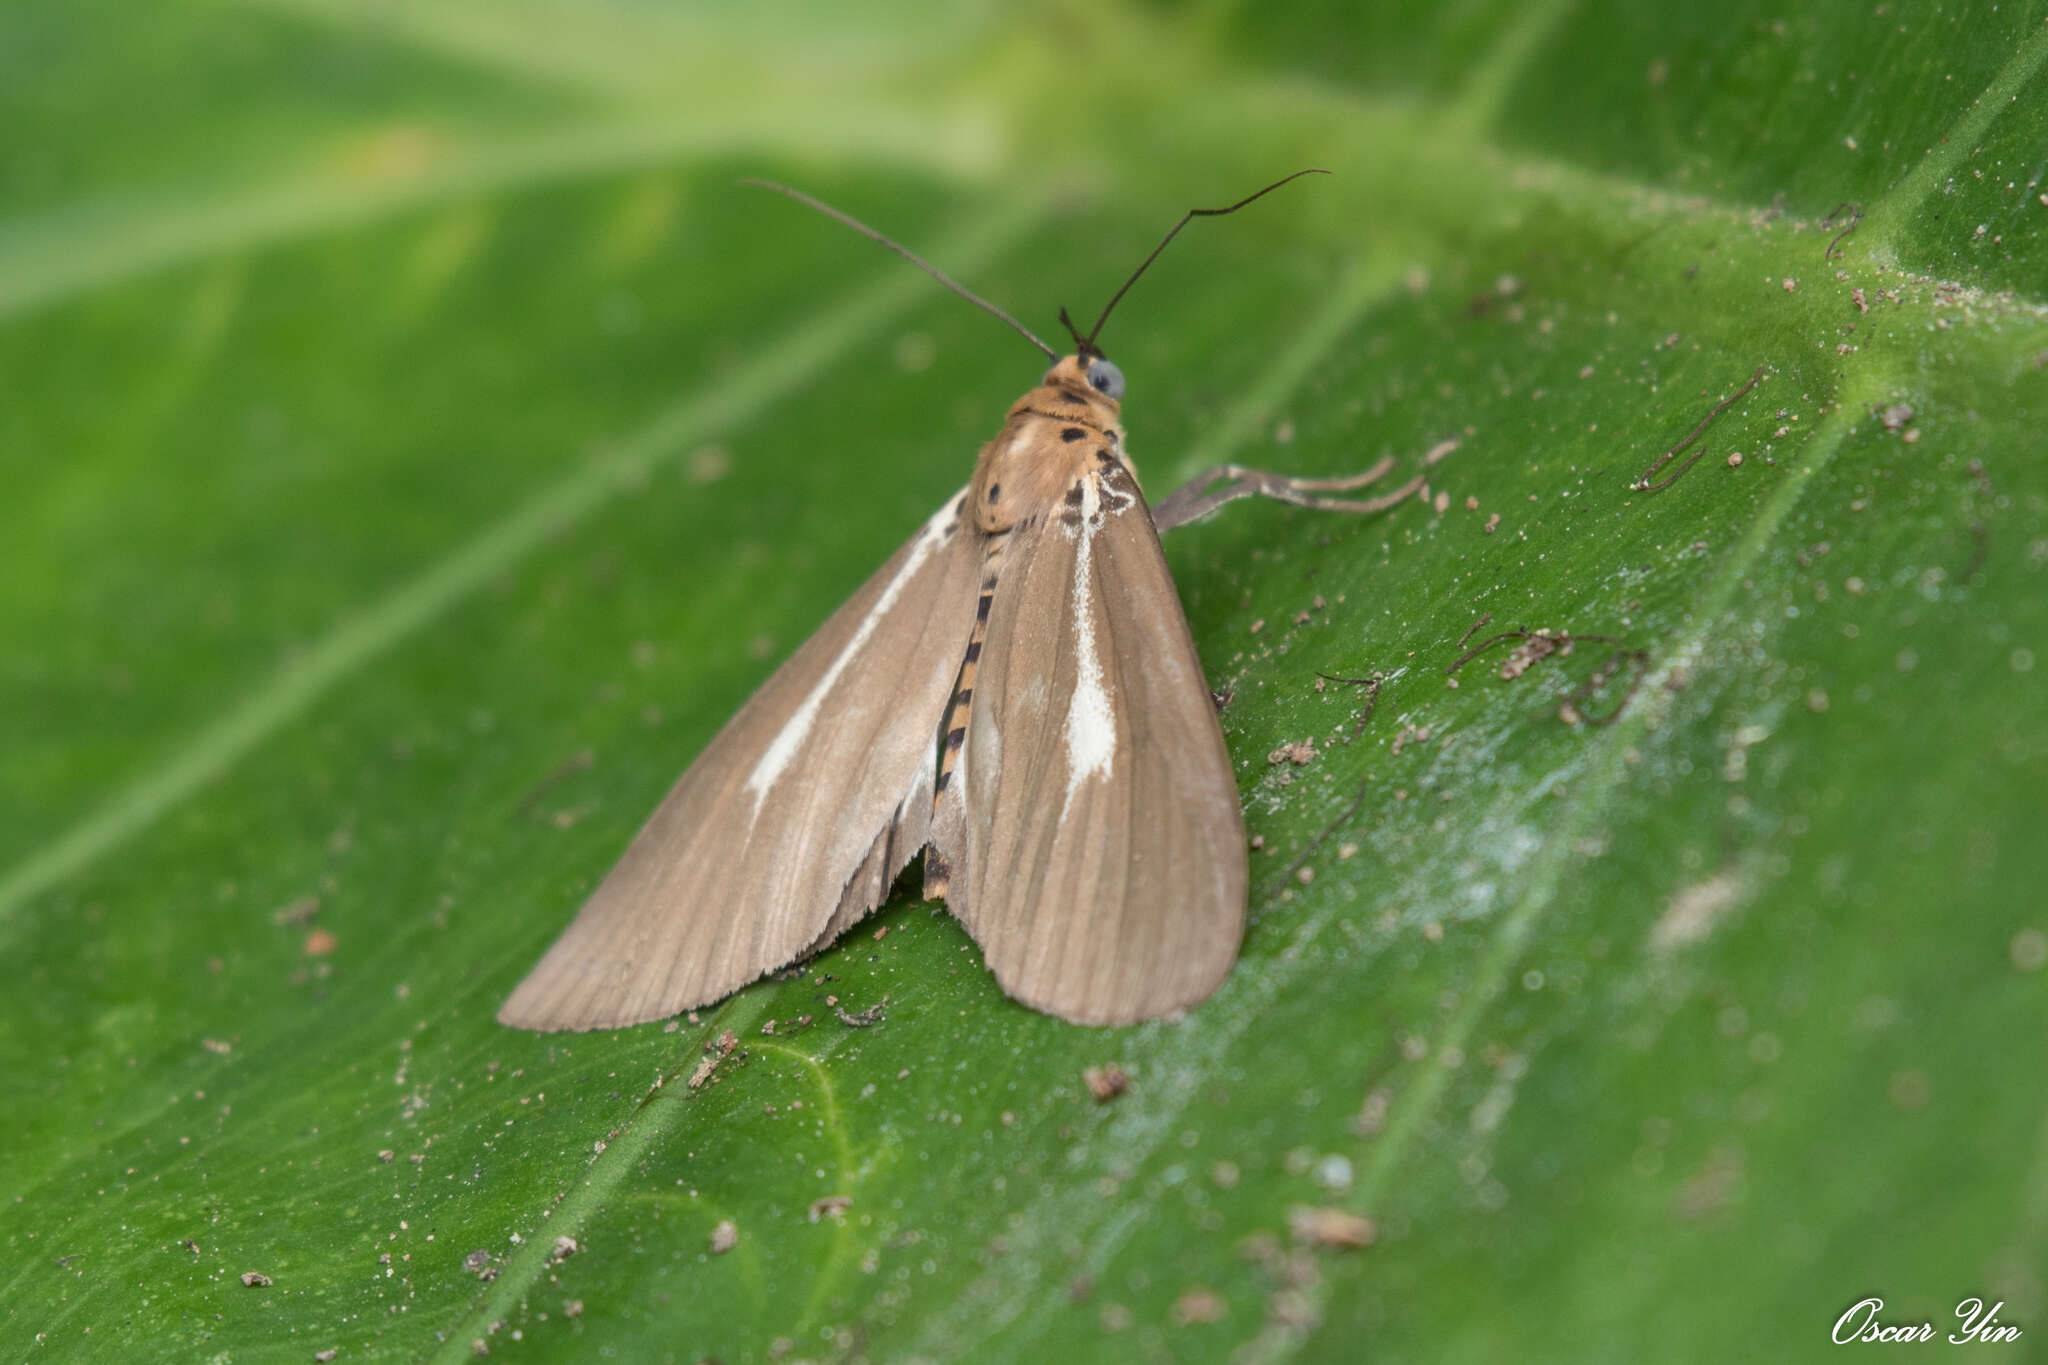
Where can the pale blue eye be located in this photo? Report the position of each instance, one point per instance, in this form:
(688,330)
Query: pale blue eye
(1106,378)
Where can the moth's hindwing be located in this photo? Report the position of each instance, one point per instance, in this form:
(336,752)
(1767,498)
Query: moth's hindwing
(1096,842)
(795,819)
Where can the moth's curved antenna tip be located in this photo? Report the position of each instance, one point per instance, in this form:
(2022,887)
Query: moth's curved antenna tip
(905,252)
(1088,343)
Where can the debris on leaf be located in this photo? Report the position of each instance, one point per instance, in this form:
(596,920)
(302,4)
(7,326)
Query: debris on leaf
(868,1016)
(1105,1083)
(1325,1226)
(1298,752)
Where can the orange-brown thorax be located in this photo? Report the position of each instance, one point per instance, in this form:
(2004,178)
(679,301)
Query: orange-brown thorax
(1053,435)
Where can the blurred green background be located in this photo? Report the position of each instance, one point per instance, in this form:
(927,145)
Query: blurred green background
(415,445)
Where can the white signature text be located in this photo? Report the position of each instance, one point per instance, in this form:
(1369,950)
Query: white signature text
(1977,1323)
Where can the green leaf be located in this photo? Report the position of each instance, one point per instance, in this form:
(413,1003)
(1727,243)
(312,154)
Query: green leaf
(416,446)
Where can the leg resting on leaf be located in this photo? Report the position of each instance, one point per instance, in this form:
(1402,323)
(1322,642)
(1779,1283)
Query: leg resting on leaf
(1212,488)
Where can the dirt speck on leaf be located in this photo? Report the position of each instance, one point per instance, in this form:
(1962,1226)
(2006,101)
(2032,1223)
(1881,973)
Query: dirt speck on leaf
(1694,911)
(1105,1083)
(1298,752)
(1199,1304)
(1324,1226)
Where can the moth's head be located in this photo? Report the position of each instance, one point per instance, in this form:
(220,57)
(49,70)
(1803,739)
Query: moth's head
(1088,369)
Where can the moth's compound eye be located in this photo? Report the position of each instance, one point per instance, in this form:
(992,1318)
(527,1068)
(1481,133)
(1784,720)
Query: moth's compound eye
(1106,378)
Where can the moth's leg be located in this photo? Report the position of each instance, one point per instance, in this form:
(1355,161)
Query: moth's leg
(1212,488)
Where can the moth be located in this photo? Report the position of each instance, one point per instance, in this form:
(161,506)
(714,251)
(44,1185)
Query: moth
(1016,694)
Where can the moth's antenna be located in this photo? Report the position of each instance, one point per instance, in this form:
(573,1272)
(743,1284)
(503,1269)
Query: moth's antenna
(1087,343)
(920,262)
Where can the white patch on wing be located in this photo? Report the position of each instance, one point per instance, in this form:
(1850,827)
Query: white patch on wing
(1091,729)
(777,756)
